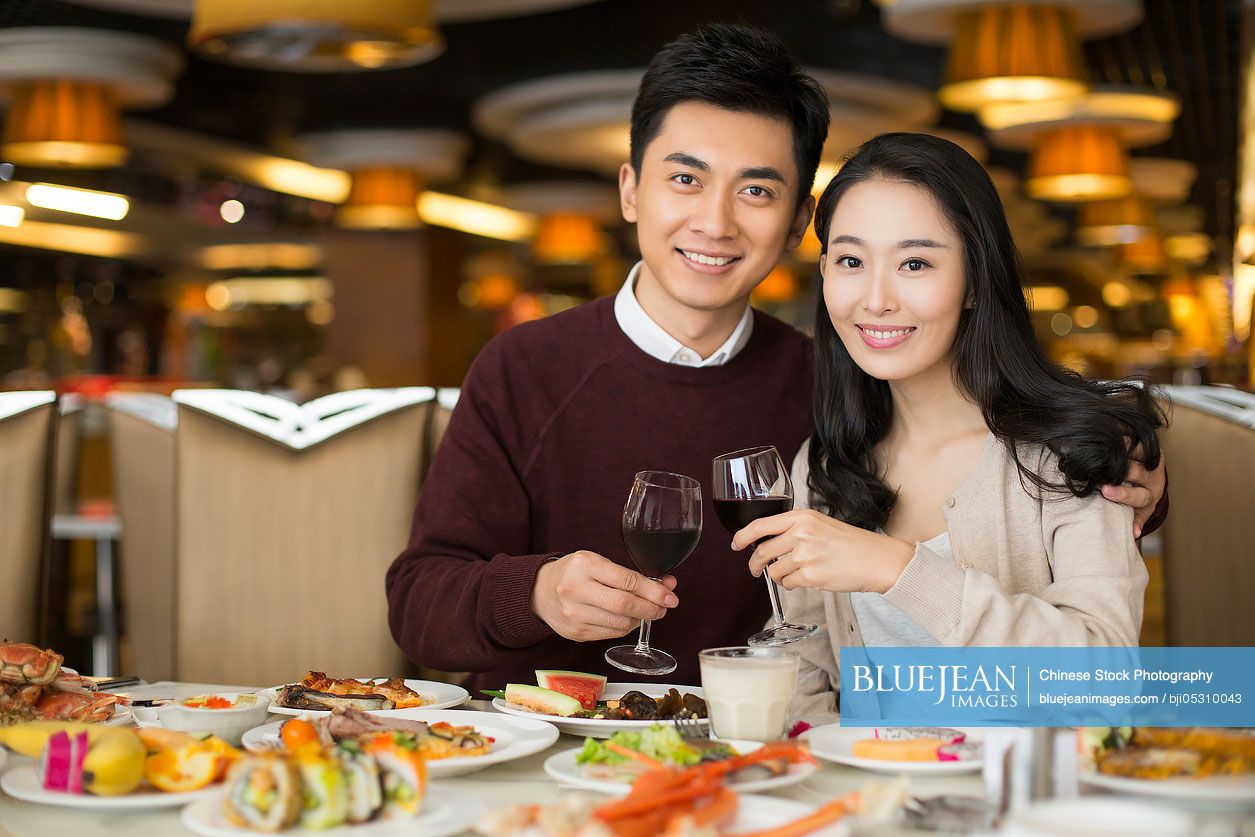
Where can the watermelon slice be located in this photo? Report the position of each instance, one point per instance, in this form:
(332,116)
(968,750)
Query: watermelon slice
(586,688)
(546,701)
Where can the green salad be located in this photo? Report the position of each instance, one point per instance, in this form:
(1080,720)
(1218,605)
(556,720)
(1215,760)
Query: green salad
(657,741)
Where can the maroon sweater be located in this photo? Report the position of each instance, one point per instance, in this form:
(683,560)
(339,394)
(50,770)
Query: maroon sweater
(555,418)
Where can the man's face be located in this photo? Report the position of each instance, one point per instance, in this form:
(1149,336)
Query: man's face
(715,204)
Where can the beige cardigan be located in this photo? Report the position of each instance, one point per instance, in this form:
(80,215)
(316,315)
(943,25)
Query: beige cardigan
(1054,570)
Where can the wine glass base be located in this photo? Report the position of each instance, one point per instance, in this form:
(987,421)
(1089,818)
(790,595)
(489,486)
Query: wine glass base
(783,634)
(641,661)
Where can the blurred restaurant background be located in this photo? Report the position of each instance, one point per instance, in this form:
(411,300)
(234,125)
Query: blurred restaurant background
(261,205)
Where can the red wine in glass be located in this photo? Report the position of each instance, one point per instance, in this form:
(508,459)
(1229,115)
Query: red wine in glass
(662,523)
(736,514)
(749,484)
(658,552)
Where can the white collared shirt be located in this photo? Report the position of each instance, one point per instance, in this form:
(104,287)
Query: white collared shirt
(654,341)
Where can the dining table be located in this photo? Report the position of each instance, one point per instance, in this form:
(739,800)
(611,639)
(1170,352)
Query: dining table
(519,781)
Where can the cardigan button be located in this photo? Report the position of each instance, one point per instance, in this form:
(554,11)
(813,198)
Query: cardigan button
(949,502)
(967,565)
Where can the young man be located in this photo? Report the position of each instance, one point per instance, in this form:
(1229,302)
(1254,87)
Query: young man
(516,560)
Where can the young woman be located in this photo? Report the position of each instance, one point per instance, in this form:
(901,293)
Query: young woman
(954,471)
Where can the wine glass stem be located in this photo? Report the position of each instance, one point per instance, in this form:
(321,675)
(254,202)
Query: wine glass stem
(642,641)
(773,593)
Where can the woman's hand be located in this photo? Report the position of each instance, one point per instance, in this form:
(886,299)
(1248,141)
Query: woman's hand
(804,548)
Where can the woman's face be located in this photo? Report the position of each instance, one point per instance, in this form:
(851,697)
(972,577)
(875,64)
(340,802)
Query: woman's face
(894,279)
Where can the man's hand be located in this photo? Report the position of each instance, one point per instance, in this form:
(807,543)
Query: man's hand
(584,596)
(1141,490)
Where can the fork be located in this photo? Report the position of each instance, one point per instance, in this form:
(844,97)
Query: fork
(693,730)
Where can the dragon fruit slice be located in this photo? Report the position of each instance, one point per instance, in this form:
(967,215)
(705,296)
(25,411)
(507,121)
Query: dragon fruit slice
(61,763)
(959,752)
(952,736)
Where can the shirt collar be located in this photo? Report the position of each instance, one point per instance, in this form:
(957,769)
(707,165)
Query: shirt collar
(653,339)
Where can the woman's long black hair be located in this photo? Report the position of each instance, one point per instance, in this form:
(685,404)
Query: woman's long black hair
(1091,427)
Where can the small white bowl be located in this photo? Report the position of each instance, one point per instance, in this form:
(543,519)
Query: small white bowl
(228,724)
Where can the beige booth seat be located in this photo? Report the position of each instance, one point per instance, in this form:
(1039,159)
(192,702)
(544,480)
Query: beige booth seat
(1209,537)
(27,421)
(285,519)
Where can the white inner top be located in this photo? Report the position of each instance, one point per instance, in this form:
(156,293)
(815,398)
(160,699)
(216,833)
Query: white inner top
(653,340)
(883,623)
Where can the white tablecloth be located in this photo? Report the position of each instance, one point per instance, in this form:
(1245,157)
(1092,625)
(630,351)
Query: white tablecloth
(517,781)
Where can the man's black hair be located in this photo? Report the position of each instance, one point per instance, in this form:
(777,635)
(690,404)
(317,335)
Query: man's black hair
(737,68)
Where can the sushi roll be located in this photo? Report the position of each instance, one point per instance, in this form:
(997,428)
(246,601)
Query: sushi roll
(262,792)
(325,799)
(404,771)
(363,782)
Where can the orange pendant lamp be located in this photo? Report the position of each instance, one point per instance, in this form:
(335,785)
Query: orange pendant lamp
(1117,221)
(64,123)
(316,35)
(1013,53)
(568,238)
(382,197)
(1080,162)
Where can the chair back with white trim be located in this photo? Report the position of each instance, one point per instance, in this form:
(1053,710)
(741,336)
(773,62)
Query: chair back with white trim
(27,420)
(141,438)
(1208,571)
(288,518)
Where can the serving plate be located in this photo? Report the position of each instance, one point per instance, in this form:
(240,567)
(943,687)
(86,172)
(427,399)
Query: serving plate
(600,727)
(22,782)
(513,738)
(444,812)
(442,695)
(564,768)
(835,743)
(1212,793)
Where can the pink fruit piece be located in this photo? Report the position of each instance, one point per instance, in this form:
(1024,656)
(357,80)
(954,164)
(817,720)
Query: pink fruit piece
(959,752)
(61,764)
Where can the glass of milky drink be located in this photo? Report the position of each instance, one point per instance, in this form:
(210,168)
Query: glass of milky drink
(748,690)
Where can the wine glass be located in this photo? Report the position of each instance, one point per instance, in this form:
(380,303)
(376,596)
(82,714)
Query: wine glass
(749,484)
(662,522)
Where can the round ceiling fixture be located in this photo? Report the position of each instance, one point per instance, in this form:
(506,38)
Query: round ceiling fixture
(1009,50)
(933,21)
(1142,116)
(389,169)
(1078,163)
(572,218)
(446,11)
(575,121)
(582,120)
(66,87)
(316,36)
(1080,147)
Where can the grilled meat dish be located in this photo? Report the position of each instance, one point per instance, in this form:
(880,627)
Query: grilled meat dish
(394,689)
(299,697)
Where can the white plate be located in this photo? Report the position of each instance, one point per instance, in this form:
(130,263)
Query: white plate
(445,695)
(1213,793)
(754,813)
(562,766)
(22,782)
(121,716)
(444,812)
(1096,816)
(836,744)
(600,727)
(515,737)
